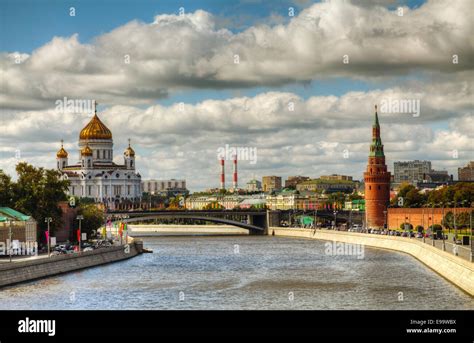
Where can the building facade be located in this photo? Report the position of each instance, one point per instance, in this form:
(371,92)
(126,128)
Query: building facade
(327,186)
(271,183)
(95,175)
(23,227)
(292,181)
(164,187)
(410,171)
(466,173)
(254,186)
(377,181)
(336,177)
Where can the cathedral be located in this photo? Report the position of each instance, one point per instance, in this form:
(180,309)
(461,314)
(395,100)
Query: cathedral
(95,175)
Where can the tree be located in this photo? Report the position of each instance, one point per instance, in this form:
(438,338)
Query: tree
(419,228)
(448,220)
(93,218)
(6,190)
(409,226)
(37,193)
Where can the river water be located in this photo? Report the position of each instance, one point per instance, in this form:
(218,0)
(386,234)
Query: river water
(245,272)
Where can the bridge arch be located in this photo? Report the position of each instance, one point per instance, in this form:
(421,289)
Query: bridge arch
(252,228)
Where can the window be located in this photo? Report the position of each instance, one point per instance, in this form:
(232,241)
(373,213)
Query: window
(64,164)
(370,187)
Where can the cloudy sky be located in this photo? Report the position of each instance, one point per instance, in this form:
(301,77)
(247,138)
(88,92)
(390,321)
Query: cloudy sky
(297,80)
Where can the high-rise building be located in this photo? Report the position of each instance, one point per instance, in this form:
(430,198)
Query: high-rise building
(466,173)
(377,181)
(411,171)
(271,183)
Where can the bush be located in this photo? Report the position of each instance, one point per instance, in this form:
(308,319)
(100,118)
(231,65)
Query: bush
(419,228)
(402,226)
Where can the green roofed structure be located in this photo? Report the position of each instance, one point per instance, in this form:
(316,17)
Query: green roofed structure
(23,227)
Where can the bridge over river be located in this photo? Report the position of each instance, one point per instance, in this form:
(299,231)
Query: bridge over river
(256,221)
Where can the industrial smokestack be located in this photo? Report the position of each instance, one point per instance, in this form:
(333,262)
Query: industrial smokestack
(234,180)
(222,174)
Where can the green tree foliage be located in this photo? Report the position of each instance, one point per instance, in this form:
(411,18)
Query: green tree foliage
(402,226)
(6,190)
(93,218)
(37,193)
(448,220)
(411,197)
(461,194)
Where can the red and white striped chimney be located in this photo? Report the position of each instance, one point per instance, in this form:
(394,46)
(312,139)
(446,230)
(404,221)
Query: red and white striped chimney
(234,183)
(222,174)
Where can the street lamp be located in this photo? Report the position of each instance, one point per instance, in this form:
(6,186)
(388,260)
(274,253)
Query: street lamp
(385,217)
(48,220)
(80,218)
(10,237)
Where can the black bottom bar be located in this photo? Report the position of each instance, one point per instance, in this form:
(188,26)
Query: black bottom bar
(92,325)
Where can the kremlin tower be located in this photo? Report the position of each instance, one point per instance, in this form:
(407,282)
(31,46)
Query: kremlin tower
(377,181)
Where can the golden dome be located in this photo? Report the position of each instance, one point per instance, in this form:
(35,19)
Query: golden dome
(129,151)
(62,153)
(86,151)
(95,130)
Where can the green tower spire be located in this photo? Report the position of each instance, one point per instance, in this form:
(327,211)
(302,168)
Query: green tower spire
(376,148)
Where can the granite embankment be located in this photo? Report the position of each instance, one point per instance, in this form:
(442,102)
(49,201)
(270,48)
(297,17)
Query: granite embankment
(181,230)
(455,269)
(27,270)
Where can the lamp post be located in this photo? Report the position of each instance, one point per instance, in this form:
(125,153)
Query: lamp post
(455,227)
(48,220)
(470,234)
(10,238)
(335,220)
(385,221)
(80,218)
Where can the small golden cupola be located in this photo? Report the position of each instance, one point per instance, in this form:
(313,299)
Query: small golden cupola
(129,151)
(95,129)
(86,151)
(62,153)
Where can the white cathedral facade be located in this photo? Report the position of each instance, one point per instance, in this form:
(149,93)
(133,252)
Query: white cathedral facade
(95,175)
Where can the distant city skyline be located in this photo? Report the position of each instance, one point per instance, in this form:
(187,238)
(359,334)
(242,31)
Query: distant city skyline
(297,85)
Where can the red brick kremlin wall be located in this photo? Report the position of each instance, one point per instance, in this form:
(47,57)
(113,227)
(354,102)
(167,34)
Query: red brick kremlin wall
(419,216)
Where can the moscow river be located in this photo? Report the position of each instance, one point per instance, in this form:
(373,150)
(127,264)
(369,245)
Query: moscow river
(244,272)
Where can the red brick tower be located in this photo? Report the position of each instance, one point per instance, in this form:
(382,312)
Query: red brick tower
(377,181)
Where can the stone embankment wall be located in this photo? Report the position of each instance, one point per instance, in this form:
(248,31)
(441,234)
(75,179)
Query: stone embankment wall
(455,269)
(16,272)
